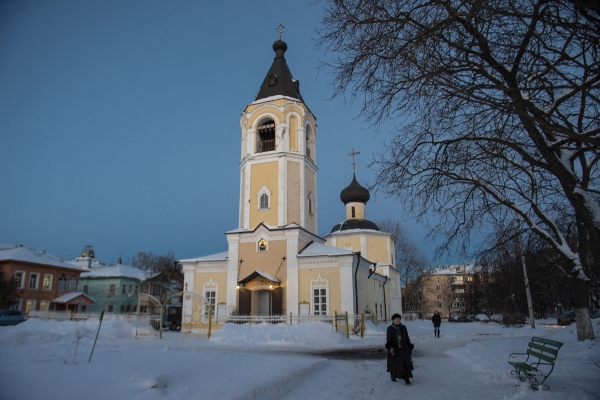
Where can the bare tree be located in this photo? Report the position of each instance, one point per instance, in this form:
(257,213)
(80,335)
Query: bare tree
(164,264)
(9,292)
(410,260)
(502,107)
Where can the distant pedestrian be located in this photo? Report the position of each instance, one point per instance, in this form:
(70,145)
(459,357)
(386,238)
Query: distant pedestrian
(399,347)
(437,321)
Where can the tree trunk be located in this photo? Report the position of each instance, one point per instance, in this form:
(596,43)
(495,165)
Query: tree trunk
(585,330)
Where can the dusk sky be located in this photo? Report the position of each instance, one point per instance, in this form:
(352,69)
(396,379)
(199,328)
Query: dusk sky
(119,122)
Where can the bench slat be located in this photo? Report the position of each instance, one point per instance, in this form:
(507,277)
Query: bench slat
(543,348)
(549,342)
(541,356)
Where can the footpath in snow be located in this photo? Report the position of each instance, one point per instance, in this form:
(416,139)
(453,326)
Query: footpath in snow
(271,361)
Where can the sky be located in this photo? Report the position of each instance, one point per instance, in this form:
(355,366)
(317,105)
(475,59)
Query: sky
(279,361)
(119,123)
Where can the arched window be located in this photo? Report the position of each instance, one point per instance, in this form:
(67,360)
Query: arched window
(265,136)
(310,141)
(72,284)
(264,201)
(264,198)
(62,282)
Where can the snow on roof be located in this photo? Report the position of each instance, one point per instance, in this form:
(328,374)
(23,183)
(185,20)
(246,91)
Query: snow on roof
(83,263)
(18,253)
(452,269)
(262,273)
(212,257)
(272,98)
(319,249)
(65,298)
(119,271)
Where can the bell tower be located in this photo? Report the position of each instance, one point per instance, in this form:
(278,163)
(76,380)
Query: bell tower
(278,169)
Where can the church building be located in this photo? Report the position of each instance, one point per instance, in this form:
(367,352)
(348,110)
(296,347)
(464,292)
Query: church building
(276,262)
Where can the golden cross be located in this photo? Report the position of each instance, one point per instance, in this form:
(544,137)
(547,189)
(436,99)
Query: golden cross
(354,153)
(280,30)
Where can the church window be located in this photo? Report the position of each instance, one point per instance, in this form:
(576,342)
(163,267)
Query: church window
(310,140)
(320,296)
(265,137)
(262,245)
(272,80)
(210,298)
(264,201)
(210,290)
(264,198)
(353,213)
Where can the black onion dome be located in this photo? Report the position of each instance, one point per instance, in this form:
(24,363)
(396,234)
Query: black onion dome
(355,192)
(350,224)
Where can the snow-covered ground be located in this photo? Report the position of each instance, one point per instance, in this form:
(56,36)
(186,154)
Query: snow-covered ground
(304,361)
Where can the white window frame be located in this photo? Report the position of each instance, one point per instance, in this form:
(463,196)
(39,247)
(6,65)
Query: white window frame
(212,288)
(62,284)
(49,282)
(264,190)
(319,284)
(258,250)
(22,280)
(111,290)
(33,304)
(72,281)
(45,305)
(18,306)
(37,280)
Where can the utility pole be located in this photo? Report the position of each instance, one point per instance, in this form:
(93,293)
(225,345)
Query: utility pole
(527,289)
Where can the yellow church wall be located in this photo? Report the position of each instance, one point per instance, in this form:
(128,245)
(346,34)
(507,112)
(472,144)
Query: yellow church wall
(369,296)
(266,261)
(354,242)
(311,180)
(243,185)
(264,174)
(220,278)
(293,194)
(266,112)
(332,275)
(278,103)
(293,133)
(359,211)
(377,249)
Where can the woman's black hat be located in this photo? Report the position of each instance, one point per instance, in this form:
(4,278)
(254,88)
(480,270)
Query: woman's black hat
(396,316)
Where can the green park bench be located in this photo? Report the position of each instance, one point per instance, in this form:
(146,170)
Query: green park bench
(541,356)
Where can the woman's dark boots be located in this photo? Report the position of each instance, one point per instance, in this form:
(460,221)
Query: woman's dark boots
(407,381)
(393,378)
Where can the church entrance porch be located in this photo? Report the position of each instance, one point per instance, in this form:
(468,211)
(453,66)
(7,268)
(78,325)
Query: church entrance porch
(260,294)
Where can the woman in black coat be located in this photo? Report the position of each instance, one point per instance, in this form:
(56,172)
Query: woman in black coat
(437,321)
(399,350)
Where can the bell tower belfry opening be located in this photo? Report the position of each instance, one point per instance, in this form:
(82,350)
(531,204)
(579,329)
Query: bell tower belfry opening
(278,168)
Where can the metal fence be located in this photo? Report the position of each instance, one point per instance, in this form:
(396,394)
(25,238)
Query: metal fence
(148,324)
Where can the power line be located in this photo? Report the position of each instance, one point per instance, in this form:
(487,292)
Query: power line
(118,140)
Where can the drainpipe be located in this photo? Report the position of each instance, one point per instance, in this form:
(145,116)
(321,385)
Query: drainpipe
(356,284)
(384,303)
